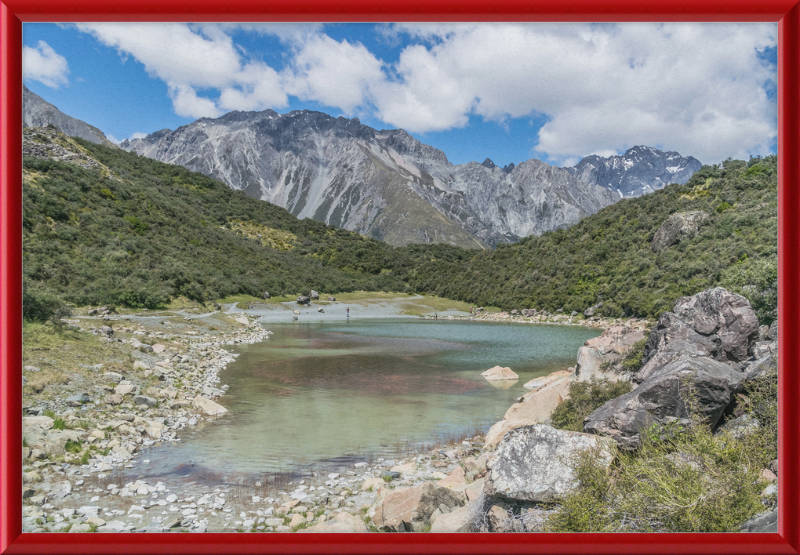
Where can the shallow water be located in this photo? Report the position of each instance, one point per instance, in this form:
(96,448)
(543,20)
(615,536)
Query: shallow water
(325,392)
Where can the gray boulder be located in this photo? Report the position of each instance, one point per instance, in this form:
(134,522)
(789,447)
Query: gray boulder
(302,299)
(772,334)
(762,523)
(314,295)
(78,400)
(107,331)
(144,400)
(761,366)
(676,228)
(660,399)
(432,497)
(589,312)
(266,295)
(714,323)
(533,463)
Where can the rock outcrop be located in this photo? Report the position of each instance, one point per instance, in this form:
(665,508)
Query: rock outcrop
(714,323)
(676,228)
(532,463)
(662,399)
(37,112)
(697,353)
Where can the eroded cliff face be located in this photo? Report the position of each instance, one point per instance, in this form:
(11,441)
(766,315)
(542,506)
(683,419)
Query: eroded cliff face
(384,184)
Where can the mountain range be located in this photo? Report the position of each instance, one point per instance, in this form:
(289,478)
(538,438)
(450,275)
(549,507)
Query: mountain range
(386,184)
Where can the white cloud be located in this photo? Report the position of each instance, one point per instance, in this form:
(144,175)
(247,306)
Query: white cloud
(42,63)
(695,88)
(193,58)
(337,74)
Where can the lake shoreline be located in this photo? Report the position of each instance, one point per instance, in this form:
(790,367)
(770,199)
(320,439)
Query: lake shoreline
(98,500)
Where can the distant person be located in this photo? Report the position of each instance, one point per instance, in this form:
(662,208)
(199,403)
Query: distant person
(348,312)
(435,316)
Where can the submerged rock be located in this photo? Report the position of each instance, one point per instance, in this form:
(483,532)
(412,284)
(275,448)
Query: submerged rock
(499,373)
(209,407)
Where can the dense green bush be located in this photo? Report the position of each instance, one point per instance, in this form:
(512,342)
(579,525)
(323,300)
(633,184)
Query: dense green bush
(758,281)
(39,304)
(585,398)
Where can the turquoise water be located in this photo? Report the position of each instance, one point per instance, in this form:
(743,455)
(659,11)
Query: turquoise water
(321,393)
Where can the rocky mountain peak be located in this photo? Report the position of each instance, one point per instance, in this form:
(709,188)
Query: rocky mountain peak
(37,112)
(642,169)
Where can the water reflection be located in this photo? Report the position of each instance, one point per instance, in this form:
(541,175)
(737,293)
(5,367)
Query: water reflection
(316,393)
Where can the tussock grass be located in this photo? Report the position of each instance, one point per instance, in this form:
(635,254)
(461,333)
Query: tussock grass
(60,353)
(683,478)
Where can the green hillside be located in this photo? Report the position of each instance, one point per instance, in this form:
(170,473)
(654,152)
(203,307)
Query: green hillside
(104,226)
(133,231)
(607,256)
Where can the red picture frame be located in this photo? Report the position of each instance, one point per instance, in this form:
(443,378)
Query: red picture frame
(14,12)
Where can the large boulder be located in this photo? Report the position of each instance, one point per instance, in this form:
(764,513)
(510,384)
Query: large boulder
(714,323)
(405,509)
(454,521)
(676,228)
(533,463)
(302,299)
(538,383)
(762,523)
(662,399)
(394,512)
(314,295)
(536,407)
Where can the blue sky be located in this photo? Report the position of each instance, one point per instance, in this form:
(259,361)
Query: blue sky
(508,92)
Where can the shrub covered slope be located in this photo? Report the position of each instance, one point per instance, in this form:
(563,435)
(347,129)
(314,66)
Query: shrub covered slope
(134,231)
(608,256)
(130,230)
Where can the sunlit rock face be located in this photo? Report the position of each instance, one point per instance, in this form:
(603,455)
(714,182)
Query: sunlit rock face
(383,184)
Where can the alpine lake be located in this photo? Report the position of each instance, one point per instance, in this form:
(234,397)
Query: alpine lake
(325,391)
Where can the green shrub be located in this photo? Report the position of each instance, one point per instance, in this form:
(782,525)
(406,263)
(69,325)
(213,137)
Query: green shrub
(72,446)
(50,413)
(632,361)
(40,304)
(722,207)
(59,423)
(757,280)
(584,398)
